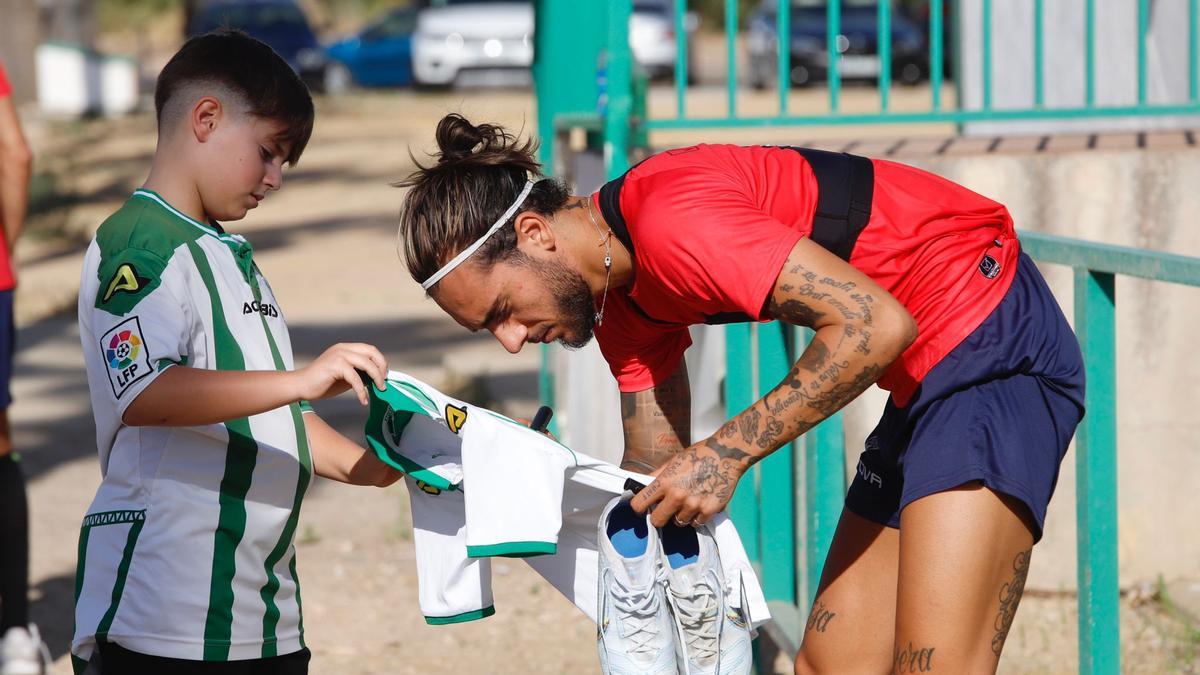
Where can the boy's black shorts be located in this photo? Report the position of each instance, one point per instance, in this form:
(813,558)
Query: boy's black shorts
(116,660)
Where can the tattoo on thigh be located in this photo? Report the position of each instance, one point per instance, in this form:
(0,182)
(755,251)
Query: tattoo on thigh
(1010,597)
(819,618)
(913,660)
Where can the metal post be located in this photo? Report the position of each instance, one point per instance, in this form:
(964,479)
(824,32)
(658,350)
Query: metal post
(935,52)
(885,54)
(1143,10)
(1039,55)
(776,479)
(824,489)
(739,394)
(833,33)
(783,28)
(619,76)
(1089,32)
(987,54)
(731,29)
(1096,478)
(681,64)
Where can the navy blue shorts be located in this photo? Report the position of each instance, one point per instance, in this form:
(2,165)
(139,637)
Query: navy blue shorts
(8,344)
(1000,409)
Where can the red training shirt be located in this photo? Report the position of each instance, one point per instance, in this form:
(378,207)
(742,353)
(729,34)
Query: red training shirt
(711,226)
(7,278)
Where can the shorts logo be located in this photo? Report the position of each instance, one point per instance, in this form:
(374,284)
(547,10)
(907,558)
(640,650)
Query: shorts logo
(126,280)
(989,267)
(869,476)
(126,355)
(455,417)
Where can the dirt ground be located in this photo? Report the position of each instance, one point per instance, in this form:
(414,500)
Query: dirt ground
(327,243)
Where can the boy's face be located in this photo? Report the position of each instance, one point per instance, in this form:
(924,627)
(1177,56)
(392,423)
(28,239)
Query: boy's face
(241,161)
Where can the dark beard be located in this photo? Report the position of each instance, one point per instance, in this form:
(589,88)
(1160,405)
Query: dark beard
(575,303)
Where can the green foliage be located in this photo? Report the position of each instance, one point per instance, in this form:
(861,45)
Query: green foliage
(118,14)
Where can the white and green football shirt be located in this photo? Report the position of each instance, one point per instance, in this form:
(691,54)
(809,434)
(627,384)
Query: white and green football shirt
(186,551)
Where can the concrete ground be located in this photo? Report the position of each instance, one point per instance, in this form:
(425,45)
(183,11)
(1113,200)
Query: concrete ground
(327,243)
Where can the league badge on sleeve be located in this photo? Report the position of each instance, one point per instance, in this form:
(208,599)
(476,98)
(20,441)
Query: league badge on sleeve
(125,355)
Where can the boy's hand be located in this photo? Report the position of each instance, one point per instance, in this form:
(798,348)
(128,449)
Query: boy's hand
(334,372)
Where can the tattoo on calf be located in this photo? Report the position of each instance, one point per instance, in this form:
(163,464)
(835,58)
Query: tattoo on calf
(1010,597)
(910,660)
(819,618)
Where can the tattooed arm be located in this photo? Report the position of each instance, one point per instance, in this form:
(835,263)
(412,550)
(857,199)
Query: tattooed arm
(859,330)
(657,422)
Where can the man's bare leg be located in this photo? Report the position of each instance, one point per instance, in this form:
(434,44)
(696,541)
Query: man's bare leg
(964,557)
(850,627)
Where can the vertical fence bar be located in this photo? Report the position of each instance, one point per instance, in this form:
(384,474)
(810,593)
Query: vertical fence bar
(825,491)
(885,54)
(987,54)
(739,394)
(681,63)
(1143,26)
(833,34)
(1193,53)
(1039,55)
(1096,478)
(1089,32)
(936,62)
(619,81)
(731,27)
(783,29)
(824,488)
(777,485)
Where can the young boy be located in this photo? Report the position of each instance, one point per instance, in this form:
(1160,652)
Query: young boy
(207,445)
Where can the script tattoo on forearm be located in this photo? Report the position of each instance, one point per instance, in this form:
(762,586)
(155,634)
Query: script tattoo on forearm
(823,380)
(656,423)
(1010,597)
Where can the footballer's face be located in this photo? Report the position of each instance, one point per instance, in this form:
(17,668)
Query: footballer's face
(520,301)
(243,162)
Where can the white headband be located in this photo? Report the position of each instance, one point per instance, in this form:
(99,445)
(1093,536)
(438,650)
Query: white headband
(466,252)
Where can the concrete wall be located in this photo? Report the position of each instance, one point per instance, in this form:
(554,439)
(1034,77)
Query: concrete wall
(1146,199)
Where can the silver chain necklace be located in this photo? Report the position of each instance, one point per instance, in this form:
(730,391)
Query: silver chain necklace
(606,239)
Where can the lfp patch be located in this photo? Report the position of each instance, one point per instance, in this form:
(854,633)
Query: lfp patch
(125,354)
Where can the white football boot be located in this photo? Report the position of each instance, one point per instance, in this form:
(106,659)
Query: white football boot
(714,635)
(22,652)
(634,630)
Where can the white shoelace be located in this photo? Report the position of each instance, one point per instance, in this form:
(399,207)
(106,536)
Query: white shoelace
(637,615)
(696,611)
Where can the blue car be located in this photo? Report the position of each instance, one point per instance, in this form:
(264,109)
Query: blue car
(380,55)
(279,23)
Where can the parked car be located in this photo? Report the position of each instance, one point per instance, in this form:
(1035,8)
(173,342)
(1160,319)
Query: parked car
(858,44)
(380,55)
(652,37)
(495,37)
(281,24)
(457,37)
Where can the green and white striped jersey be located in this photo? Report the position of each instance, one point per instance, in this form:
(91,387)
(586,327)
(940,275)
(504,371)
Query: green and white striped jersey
(186,551)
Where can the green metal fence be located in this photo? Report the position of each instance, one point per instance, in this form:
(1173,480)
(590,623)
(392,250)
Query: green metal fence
(788,506)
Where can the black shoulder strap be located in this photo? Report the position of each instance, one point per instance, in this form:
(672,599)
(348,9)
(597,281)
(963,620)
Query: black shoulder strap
(846,185)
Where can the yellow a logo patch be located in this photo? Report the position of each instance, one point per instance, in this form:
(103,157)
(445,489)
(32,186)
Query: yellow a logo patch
(455,417)
(126,279)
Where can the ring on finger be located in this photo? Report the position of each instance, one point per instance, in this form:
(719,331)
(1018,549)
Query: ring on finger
(680,523)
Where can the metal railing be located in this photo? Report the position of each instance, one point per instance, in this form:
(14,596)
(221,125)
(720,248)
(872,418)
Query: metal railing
(802,486)
(619,59)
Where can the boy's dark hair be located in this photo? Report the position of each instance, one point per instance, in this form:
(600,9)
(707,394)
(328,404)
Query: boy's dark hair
(236,62)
